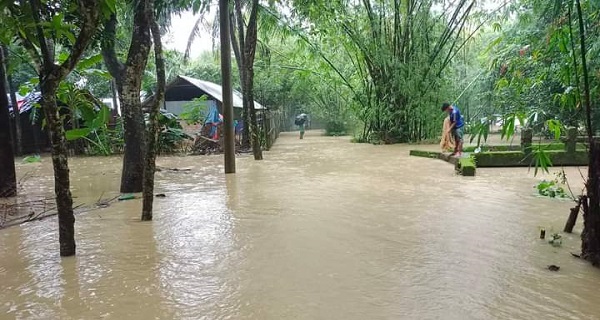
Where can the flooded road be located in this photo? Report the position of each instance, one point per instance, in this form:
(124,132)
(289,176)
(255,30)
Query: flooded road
(321,229)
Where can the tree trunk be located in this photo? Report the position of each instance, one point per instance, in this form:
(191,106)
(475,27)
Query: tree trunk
(18,131)
(248,53)
(8,177)
(62,186)
(13,101)
(238,44)
(227,90)
(133,135)
(249,100)
(50,76)
(129,82)
(590,247)
(153,128)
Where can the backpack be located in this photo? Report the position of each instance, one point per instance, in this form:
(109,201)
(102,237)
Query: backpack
(299,121)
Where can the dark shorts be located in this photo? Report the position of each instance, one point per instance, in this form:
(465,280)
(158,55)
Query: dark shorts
(457,134)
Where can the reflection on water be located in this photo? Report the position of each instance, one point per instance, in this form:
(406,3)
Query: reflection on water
(321,229)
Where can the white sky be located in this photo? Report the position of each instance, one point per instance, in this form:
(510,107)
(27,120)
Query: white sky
(181,27)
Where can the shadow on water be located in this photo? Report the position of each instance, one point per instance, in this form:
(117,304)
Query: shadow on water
(321,229)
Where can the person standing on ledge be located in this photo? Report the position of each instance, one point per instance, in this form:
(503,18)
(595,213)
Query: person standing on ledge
(456,127)
(447,141)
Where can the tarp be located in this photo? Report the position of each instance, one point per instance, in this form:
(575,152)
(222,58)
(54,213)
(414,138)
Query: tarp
(25,104)
(213,119)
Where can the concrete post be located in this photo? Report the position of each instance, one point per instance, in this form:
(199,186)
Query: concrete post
(571,142)
(526,140)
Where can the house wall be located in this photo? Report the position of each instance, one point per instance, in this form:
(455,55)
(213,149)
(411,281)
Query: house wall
(177,107)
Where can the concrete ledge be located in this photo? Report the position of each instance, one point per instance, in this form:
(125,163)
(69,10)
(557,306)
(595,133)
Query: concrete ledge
(519,159)
(425,154)
(557,146)
(448,158)
(465,166)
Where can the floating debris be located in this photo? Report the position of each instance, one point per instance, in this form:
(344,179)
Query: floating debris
(553,267)
(556,240)
(126,197)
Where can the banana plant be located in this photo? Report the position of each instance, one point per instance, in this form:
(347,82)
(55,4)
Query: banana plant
(94,129)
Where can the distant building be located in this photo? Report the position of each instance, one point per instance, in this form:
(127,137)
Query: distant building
(183,90)
(34,137)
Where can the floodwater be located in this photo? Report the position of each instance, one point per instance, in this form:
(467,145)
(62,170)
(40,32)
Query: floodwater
(321,229)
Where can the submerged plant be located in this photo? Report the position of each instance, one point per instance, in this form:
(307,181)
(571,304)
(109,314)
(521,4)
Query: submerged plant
(555,240)
(554,188)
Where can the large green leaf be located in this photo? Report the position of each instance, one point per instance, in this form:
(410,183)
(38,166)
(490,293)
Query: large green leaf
(89,62)
(75,134)
(102,118)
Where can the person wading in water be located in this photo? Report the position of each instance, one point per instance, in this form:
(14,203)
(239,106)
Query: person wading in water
(300,122)
(456,127)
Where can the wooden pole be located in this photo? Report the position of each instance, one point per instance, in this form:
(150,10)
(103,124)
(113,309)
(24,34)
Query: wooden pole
(229,134)
(573,215)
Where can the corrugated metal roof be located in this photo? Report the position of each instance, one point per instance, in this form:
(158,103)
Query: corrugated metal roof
(214,90)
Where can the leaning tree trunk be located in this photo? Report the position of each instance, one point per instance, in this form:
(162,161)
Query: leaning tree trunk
(62,184)
(153,128)
(8,178)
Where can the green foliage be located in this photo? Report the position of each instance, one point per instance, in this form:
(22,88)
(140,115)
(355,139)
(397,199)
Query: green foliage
(94,130)
(359,139)
(88,117)
(32,159)
(335,128)
(391,59)
(534,68)
(551,189)
(554,188)
(194,111)
(171,134)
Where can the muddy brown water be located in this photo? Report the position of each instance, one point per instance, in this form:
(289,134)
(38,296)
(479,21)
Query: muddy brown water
(321,229)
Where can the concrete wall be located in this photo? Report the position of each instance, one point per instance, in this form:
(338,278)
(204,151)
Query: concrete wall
(177,107)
